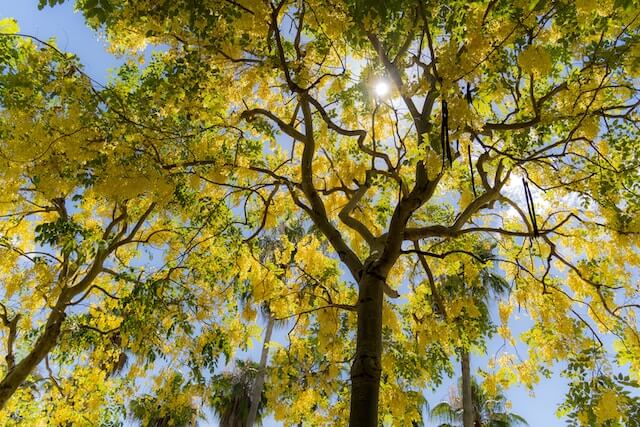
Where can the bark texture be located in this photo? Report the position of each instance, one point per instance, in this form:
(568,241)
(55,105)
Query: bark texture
(367,367)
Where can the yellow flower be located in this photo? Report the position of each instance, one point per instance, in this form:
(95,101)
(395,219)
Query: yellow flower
(504,310)
(607,407)
(590,127)
(536,60)
(583,417)
(601,7)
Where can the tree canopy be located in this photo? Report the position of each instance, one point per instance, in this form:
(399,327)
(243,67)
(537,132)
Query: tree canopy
(250,162)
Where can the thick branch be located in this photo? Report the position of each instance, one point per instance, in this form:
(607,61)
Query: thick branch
(317,211)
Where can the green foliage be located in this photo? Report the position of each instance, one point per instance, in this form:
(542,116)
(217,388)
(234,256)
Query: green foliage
(597,396)
(61,231)
(167,407)
(489,411)
(51,3)
(231,393)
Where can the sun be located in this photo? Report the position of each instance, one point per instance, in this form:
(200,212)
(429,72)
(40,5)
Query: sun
(381,88)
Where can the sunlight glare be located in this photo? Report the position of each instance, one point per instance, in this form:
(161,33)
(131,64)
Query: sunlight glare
(381,88)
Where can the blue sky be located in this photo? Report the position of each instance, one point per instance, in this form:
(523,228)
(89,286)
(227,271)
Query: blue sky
(72,35)
(69,30)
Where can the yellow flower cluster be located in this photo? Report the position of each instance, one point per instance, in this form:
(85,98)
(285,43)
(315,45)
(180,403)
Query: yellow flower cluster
(535,60)
(607,407)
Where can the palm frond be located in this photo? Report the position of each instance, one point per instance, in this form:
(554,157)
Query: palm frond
(494,283)
(444,412)
(231,398)
(490,411)
(516,420)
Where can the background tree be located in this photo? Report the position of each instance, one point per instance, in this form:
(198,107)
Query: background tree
(474,329)
(487,411)
(171,405)
(268,246)
(233,393)
(102,273)
(507,123)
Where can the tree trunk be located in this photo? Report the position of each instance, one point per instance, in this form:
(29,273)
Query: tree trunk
(467,395)
(256,393)
(45,342)
(43,345)
(367,367)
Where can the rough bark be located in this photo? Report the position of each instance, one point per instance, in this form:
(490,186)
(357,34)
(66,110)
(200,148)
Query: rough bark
(367,367)
(256,393)
(467,394)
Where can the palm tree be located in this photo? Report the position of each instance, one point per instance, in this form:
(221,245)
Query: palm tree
(239,397)
(258,385)
(230,400)
(150,411)
(152,416)
(422,405)
(231,397)
(486,412)
(488,284)
(269,244)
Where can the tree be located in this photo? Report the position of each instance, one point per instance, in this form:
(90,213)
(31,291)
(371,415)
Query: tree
(54,251)
(175,402)
(488,411)
(473,330)
(269,245)
(257,391)
(232,398)
(85,307)
(493,106)
(161,410)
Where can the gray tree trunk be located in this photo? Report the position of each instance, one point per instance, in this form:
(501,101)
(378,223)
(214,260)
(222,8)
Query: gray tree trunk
(256,393)
(467,394)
